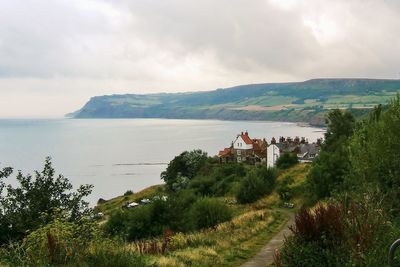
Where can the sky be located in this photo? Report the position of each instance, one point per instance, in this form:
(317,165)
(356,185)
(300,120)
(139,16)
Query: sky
(56,54)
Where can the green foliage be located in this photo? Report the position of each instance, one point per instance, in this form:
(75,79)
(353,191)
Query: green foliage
(113,254)
(332,165)
(60,241)
(257,183)
(220,180)
(284,190)
(140,222)
(181,212)
(286,161)
(183,168)
(66,243)
(347,233)
(208,212)
(37,200)
(340,128)
(375,152)
(128,193)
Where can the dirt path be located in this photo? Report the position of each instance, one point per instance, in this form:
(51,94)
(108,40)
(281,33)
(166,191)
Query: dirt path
(266,255)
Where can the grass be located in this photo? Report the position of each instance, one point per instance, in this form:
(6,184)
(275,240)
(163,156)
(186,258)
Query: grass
(230,244)
(116,203)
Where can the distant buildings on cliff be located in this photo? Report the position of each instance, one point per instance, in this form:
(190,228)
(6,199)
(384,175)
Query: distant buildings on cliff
(259,151)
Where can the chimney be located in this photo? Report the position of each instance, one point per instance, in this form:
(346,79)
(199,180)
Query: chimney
(246,133)
(296,140)
(273,141)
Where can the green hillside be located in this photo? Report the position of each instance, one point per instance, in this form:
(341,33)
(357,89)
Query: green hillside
(300,101)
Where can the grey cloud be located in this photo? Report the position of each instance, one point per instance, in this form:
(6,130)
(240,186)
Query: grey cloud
(86,47)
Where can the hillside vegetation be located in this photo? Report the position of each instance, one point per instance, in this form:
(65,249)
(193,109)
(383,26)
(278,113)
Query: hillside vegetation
(206,214)
(229,243)
(212,214)
(307,101)
(355,183)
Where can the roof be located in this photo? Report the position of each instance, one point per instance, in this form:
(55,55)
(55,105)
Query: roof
(287,147)
(246,138)
(226,152)
(312,149)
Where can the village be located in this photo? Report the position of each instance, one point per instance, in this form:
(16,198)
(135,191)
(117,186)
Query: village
(245,149)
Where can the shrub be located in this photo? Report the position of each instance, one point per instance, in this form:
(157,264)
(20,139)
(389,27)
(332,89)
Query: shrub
(146,221)
(208,212)
(346,233)
(60,242)
(203,185)
(284,191)
(257,183)
(140,222)
(128,193)
(116,224)
(183,167)
(250,189)
(35,201)
(101,201)
(286,161)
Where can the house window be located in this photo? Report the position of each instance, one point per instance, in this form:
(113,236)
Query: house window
(239,159)
(239,152)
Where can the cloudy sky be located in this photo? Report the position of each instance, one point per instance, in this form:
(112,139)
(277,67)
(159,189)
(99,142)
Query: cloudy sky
(56,54)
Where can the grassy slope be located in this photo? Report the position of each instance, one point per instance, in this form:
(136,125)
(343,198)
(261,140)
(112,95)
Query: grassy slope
(116,203)
(231,243)
(308,101)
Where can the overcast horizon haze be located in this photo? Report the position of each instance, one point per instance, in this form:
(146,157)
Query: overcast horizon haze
(56,54)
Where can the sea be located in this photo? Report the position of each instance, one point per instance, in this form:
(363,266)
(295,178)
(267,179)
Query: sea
(116,155)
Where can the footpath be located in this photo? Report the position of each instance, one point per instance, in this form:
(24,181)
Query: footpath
(266,255)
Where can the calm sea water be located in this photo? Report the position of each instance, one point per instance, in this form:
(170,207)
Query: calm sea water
(117,155)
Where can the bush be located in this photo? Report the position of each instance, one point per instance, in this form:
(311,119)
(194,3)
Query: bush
(116,224)
(140,222)
(208,212)
(60,242)
(128,193)
(250,189)
(257,183)
(66,243)
(183,168)
(218,180)
(36,200)
(284,191)
(286,161)
(346,233)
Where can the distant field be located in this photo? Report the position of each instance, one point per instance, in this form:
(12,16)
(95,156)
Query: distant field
(307,101)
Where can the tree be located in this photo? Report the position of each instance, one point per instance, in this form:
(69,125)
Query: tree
(208,212)
(37,201)
(183,168)
(284,190)
(332,165)
(375,152)
(286,161)
(257,183)
(341,126)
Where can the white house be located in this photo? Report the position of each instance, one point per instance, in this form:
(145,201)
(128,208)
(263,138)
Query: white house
(243,147)
(273,153)
(243,141)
